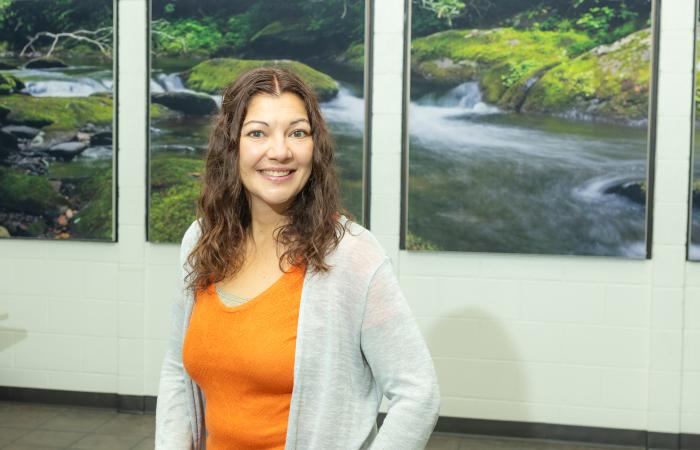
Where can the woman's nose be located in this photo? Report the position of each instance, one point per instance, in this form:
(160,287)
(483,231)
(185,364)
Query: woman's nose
(279,148)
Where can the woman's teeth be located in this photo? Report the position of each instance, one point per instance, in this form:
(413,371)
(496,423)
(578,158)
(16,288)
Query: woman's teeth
(276,173)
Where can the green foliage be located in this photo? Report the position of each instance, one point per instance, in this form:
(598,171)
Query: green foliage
(517,72)
(20,19)
(172,211)
(28,193)
(415,242)
(192,36)
(443,9)
(94,219)
(214,75)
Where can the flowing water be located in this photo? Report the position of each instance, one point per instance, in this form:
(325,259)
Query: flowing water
(488,181)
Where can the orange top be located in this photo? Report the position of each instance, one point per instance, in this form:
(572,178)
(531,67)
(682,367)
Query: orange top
(242,358)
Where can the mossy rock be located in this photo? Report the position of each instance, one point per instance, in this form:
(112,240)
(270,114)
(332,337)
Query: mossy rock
(502,59)
(169,169)
(57,113)
(213,75)
(10,84)
(172,211)
(353,57)
(286,32)
(45,63)
(609,81)
(159,112)
(94,220)
(29,194)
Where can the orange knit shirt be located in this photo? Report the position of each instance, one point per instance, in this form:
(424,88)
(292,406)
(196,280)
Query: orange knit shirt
(242,358)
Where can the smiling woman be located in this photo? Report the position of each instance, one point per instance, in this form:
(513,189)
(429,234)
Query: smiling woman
(275,150)
(289,323)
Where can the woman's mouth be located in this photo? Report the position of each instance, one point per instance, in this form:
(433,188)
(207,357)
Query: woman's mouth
(277,175)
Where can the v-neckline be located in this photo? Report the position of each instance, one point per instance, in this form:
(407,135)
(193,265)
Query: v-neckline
(252,300)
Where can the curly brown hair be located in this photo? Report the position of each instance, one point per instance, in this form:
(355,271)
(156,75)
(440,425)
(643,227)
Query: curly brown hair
(312,230)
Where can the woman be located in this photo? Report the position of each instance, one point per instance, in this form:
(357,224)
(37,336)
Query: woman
(299,326)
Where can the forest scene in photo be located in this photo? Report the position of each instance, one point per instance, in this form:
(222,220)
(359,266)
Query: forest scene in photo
(694,240)
(528,126)
(56,114)
(199,47)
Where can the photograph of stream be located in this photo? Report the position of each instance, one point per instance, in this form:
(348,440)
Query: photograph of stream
(528,126)
(199,47)
(56,119)
(694,238)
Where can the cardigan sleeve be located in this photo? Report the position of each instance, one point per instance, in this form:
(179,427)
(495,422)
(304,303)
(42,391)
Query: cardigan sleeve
(401,365)
(173,428)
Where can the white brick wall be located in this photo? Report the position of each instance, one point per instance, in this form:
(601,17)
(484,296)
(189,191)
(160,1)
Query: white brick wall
(571,340)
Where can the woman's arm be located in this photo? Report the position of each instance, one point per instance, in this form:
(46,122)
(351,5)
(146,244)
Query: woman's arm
(173,428)
(401,364)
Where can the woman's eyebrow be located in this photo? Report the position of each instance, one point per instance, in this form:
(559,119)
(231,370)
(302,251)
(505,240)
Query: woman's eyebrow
(293,122)
(256,121)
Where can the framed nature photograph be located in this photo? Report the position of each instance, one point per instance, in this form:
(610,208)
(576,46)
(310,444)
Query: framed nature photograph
(694,219)
(57,119)
(529,126)
(199,47)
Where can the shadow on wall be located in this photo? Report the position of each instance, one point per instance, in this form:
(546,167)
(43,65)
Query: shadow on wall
(8,338)
(477,363)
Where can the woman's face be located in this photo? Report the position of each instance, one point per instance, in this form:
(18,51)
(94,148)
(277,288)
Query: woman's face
(275,150)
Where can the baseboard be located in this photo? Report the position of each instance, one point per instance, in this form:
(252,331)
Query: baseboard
(138,404)
(569,433)
(146,404)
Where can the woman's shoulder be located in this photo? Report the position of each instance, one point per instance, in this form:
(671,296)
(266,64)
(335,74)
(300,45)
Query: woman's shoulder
(357,245)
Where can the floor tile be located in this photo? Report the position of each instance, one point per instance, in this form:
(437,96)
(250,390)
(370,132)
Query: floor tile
(443,441)
(134,424)
(79,420)
(8,435)
(29,416)
(46,438)
(107,442)
(148,443)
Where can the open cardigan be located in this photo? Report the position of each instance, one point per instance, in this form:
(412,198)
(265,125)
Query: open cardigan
(357,341)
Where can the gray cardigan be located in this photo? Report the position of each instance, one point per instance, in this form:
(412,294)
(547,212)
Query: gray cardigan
(357,341)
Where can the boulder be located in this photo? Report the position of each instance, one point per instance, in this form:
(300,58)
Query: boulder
(21,131)
(190,103)
(67,150)
(101,138)
(45,63)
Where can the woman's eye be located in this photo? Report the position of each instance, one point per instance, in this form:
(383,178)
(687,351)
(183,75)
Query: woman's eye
(256,134)
(299,133)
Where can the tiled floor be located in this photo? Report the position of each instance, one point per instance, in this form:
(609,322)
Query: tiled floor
(27,426)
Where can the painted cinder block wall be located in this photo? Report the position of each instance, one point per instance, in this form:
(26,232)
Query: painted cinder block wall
(567,340)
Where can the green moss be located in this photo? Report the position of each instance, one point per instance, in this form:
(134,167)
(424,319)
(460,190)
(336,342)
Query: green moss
(94,219)
(288,32)
(9,83)
(28,193)
(159,112)
(60,113)
(609,81)
(172,211)
(415,242)
(503,59)
(168,169)
(214,75)
(354,57)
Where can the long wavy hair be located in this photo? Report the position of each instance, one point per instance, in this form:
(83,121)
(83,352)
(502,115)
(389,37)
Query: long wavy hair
(312,230)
